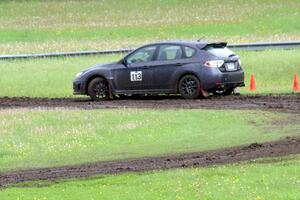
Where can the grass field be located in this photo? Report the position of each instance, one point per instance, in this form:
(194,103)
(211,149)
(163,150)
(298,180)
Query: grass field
(263,179)
(53,77)
(41,138)
(43,26)
(34,138)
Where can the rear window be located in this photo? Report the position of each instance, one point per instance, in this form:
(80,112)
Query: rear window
(169,52)
(189,52)
(219,51)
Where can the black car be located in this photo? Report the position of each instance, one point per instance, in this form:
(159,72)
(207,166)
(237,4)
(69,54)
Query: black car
(190,68)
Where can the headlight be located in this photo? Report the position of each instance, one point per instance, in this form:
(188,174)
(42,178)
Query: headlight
(78,74)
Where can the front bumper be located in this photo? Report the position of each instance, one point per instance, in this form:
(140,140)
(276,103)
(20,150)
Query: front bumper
(78,87)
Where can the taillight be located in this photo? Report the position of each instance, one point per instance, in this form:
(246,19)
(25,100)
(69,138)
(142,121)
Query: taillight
(214,63)
(240,62)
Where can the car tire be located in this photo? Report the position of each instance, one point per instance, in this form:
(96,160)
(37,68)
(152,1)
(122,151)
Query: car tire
(98,89)
(223,92)
(189,87)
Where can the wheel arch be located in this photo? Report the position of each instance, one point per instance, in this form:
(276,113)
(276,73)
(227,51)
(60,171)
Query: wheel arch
(89,79)
(185,74)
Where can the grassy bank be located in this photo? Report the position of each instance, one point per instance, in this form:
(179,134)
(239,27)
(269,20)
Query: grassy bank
(43,26)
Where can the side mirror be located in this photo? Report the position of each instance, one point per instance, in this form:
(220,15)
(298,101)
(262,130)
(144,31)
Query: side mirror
(124,62)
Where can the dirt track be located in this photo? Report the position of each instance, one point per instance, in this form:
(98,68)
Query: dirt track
(290,103)
(230,155)
(285,103)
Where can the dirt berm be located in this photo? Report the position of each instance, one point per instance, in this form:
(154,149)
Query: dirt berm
(290,103)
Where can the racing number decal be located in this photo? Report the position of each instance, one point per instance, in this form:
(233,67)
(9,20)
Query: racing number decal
(136,76)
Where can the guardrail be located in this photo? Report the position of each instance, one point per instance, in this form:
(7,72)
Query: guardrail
(265,45)
(243,46)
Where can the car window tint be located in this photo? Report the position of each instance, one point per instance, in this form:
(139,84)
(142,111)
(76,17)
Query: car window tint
(219,51)
(169,52)
(189,52)
(143,55)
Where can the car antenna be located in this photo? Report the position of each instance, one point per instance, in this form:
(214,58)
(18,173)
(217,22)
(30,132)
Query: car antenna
(199,40)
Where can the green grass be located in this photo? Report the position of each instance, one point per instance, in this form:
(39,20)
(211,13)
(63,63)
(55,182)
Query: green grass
(44,77)
(41,138)
(43,26)
(266,179)
(273,71)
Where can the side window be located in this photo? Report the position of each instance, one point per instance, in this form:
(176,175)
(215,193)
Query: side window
(169,52)
(189,52)
(143,55)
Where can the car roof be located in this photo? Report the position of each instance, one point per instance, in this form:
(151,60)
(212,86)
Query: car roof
(181,42)
(200,44)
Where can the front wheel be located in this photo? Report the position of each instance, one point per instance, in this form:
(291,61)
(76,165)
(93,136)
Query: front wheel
(189,87)
(98,89)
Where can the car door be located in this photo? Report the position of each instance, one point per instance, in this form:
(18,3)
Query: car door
(169,58)
(136,75)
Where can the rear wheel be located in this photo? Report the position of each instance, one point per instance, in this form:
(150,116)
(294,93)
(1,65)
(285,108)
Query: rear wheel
(189,87)
(98,89)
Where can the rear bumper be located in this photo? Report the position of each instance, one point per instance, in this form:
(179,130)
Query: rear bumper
(230,84)
(217,80)
(78,88)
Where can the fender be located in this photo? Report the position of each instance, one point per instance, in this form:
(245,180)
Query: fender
(193,69)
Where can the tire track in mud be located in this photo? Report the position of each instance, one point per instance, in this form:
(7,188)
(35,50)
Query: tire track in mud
(289,103)
(283,147)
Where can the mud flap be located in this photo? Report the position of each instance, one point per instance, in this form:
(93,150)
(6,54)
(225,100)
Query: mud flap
(203,93)
(110,94)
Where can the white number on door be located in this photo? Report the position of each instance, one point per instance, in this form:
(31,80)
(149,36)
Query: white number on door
(136,76)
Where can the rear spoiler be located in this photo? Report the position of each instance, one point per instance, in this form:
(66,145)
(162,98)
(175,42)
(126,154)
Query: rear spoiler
(216,44)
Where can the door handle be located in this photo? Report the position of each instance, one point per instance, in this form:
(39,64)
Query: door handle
(146,67)
(178,64)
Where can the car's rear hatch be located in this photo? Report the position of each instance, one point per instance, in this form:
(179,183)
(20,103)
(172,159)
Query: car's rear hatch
(221,52)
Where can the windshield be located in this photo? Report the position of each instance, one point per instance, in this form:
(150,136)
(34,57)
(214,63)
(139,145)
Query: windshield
(142,55)
(219,51)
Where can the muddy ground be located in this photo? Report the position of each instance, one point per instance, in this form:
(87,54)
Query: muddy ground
(284,147)
(277,103)
(289,103)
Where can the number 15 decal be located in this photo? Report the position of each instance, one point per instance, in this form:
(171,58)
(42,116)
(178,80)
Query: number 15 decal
(136,76)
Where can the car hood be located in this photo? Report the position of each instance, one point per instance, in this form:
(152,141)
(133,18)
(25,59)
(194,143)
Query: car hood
(105,65)
(101,66)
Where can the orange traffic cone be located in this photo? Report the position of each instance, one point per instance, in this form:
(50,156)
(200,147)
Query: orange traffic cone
(296,83)
(252,83)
